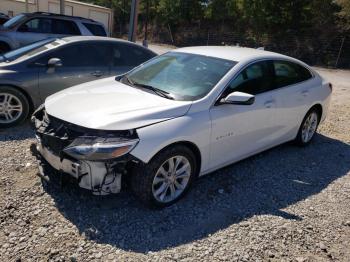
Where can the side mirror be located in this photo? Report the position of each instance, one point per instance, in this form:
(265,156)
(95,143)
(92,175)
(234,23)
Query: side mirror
(238,98)
(54,62)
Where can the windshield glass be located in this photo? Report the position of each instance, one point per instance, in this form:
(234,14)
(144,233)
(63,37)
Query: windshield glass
(13,21)
(184,76)
(28,50)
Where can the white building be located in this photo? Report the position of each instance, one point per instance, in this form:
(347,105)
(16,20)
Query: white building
(75,8)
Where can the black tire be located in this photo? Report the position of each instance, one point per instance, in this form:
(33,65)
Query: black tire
(23,100)
(4,48)
(299,139)
(143,175)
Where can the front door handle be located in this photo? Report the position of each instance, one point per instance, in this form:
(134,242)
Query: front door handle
(269,104)
(97,73)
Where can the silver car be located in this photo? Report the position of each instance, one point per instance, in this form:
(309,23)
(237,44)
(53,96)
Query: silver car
(31,73)
(28,28)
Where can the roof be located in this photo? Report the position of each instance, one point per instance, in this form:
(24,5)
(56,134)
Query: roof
(91,38)
(233,53)
(72,39)
(54,15)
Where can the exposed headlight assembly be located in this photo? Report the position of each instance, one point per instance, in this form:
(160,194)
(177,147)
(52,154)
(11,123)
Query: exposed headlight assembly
(98,148)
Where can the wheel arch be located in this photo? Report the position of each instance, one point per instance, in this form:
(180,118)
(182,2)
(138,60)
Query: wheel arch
(318,107)
(7,43)
(190,145)
(24,92)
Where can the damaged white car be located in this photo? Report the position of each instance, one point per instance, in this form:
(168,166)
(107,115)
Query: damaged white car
(178,116)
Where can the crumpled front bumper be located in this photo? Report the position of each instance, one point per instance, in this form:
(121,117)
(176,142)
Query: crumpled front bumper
(53,135)
(99,177)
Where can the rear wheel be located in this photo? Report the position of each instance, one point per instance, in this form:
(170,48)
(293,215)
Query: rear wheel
(308,128)
(166,178)
(14,107)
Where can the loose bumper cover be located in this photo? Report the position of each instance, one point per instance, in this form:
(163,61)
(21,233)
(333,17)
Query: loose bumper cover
(53,135)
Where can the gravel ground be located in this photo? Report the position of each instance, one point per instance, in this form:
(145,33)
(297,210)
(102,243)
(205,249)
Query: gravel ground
(287,204)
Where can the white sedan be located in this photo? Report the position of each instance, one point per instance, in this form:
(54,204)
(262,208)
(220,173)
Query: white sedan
(178,116)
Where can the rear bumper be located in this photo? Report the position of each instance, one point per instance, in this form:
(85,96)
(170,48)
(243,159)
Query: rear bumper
(99,177)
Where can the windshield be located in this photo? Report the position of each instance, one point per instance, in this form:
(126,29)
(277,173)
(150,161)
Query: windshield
(184,76)
(13,21)
(28,50)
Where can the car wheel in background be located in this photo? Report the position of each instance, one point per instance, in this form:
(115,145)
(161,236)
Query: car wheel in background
(14,107)
(308,128)
(166,178)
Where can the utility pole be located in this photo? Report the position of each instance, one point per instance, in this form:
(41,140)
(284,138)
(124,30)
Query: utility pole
(133,20)
(62,12)
(27,6)
(145,43)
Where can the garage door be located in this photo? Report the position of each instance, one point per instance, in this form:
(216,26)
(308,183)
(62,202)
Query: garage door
(55,8)
(100,17)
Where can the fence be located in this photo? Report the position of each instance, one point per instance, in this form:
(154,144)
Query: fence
(333,52)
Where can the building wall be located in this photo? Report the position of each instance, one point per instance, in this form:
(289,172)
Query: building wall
(98,13)
(15,7)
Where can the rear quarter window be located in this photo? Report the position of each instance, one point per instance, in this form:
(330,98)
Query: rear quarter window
(289,73)
(95,29)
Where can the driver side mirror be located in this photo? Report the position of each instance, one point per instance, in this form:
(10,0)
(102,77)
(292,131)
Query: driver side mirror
(54,62)
(238,98)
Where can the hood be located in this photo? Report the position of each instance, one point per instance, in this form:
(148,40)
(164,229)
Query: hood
(110,105)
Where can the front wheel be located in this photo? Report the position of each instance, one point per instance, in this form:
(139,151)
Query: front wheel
(308,128)
(166,178)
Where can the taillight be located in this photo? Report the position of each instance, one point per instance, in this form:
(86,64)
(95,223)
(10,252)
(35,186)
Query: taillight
(330,86)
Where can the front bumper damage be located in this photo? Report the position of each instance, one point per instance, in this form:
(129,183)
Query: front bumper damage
(53,135)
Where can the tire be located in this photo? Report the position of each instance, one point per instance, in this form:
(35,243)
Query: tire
(15,106)
(4,48)
(308,127)
(147,180)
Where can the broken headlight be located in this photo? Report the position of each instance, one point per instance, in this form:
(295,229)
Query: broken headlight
(96,148)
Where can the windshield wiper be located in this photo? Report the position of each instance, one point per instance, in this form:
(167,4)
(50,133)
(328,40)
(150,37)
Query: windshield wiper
(157,91)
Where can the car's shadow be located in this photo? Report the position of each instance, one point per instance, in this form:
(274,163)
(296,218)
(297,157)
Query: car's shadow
(20,132)
(264,184)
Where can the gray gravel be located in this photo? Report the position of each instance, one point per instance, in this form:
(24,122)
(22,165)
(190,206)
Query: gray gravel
(287,204)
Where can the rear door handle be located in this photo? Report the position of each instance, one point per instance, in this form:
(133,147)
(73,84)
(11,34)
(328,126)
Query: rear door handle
(97,73)
(269,104)
(305,92)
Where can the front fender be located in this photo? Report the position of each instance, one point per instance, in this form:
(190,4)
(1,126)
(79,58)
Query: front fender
(195,128)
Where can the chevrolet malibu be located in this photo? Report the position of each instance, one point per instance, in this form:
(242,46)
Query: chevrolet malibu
(179,116)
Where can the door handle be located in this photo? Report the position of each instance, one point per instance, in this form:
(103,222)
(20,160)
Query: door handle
(269,104)
(97,73)
(305,93)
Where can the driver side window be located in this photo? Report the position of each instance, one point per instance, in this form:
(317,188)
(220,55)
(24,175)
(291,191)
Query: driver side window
(254,79)
(37,25)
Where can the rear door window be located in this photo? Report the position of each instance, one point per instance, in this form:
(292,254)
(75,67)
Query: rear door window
(288,73)
(95,29)
(129,55)
(64,27)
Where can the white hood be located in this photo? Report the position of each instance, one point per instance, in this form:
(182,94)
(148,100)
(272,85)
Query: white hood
(110,105)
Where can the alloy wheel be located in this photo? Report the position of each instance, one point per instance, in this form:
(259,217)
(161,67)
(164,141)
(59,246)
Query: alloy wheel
(11,108)
(171,179)
(309,127)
